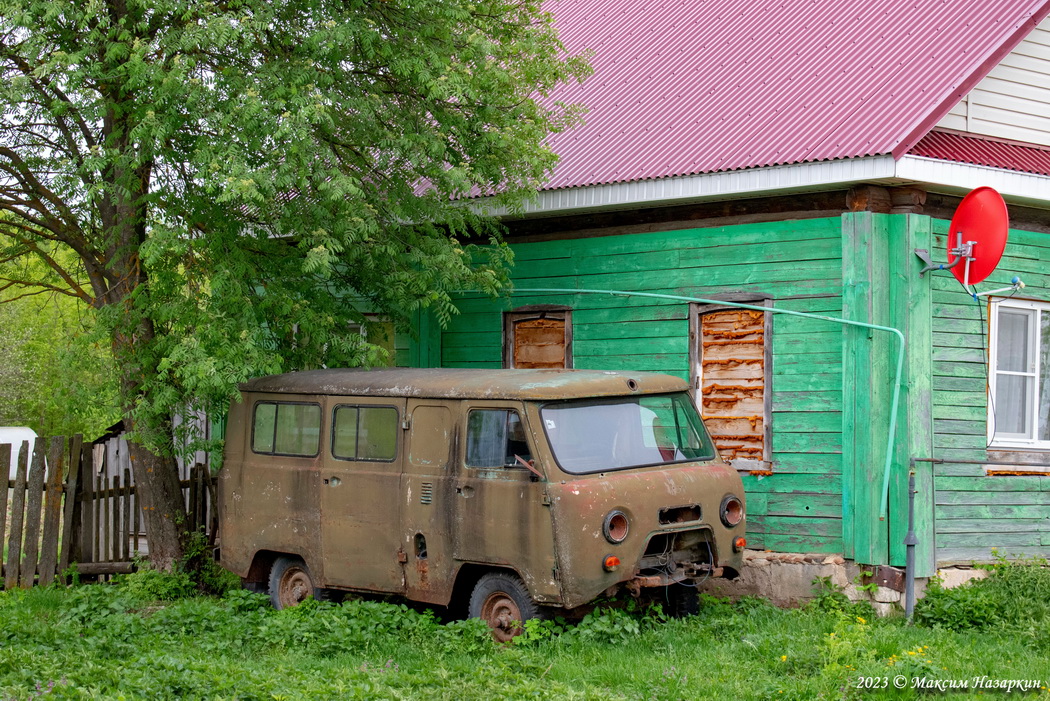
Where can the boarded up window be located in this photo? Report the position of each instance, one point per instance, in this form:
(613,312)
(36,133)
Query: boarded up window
(538,339)
(732,384)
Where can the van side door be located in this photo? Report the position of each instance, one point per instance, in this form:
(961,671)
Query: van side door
(427,496)
(501,510)
(360,504)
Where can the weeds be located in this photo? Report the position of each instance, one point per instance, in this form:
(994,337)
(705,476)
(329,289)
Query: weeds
(1015,596)
(828,597)
(145,637)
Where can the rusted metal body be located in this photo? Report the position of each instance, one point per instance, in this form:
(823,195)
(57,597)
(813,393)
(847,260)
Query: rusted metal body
(421,511)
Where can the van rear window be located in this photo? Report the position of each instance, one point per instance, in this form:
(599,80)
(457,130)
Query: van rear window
(286,428)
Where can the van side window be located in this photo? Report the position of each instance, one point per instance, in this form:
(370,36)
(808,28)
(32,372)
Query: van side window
(496,438)
(286,428)
(364,432)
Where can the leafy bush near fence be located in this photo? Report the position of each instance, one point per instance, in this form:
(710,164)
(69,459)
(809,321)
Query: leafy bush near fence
(1014,596)
(150,635)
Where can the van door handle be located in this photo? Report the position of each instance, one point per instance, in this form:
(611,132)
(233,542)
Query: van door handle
(334,481)
(466,492)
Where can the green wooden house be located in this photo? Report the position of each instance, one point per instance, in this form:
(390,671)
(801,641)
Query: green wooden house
(794,159)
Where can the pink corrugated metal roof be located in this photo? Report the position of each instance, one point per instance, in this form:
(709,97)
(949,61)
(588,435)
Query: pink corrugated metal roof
(694,86)
(950,146)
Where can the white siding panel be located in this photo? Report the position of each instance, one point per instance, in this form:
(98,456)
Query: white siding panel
(1013,101)
(956,118)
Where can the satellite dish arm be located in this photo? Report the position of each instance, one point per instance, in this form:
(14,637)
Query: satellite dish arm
(930,265)
(961,252)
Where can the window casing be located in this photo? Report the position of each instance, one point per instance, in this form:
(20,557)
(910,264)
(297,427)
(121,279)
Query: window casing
(537,336)
(378,332)
(731,374)
(1019,375)
(286,428)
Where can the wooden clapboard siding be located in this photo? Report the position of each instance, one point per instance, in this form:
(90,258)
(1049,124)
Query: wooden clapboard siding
(796,264)
(976,514)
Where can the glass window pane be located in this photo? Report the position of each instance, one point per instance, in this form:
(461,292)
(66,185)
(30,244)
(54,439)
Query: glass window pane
(488,437)
(344,432)
(1014,339)
(298,429)
(598,435)
(378,438)
(262,428)
(1011,405)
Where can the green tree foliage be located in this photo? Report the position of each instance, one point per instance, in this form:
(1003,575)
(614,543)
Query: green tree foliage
(239,180)
(55,377)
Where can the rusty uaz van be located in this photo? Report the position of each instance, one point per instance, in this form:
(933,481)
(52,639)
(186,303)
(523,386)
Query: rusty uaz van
(513,492)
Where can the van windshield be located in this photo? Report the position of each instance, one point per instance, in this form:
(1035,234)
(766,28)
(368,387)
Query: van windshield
(598,435)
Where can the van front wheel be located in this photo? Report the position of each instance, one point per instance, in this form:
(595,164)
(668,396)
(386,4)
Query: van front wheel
(503,602)
(290,582)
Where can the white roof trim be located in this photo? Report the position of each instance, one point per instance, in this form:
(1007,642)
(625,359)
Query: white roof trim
(950,176)
(934,174)
(752,182)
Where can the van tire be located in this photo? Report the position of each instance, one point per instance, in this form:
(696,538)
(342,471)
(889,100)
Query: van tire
(290,582)
(502,601)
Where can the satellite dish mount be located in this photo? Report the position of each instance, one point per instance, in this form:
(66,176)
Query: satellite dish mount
(979,228)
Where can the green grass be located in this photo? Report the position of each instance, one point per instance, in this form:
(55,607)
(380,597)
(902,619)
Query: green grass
(116,641)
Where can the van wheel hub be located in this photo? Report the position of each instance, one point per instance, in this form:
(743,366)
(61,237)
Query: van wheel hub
(295,587)
(502,614)
(290,582)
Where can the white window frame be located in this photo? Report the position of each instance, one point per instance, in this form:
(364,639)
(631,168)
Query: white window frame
(996,438)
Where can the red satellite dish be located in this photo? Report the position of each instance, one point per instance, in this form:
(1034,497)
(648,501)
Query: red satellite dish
(982,220)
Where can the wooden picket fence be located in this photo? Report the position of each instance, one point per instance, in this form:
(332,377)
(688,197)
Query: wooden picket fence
(73,516)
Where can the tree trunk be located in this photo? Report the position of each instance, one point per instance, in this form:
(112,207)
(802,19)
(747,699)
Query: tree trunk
(163,509)
(157,489)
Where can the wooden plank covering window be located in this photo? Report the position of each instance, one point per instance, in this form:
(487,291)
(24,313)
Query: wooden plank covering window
(732,385)
(538,339)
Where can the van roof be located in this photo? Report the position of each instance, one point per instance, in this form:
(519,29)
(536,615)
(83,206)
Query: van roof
(464,383)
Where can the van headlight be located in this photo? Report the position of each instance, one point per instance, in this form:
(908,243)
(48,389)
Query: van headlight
(731,511)
(616,526)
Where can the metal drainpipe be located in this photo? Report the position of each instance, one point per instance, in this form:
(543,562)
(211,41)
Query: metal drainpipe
(910,541)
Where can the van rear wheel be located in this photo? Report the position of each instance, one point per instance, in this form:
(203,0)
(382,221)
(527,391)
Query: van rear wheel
(503,602)
(290,582)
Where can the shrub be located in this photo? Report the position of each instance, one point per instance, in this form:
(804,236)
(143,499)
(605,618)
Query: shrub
(1015,595)
(148,584)
(829,598)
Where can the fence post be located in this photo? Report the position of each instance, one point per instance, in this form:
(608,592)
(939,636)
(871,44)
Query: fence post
(52,510)
(5,459)
(34,499)
(18,505)
(103,516)
(71,525)
(125,543)
(88,531)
